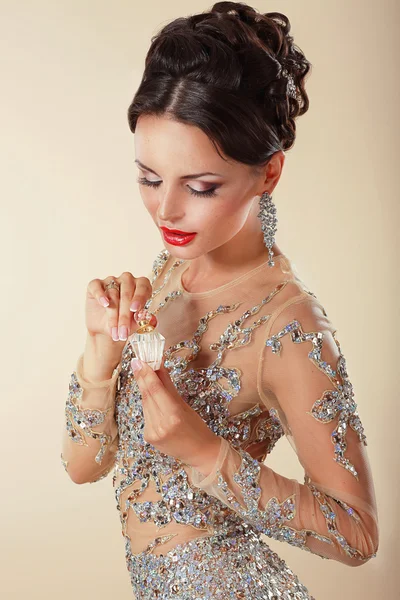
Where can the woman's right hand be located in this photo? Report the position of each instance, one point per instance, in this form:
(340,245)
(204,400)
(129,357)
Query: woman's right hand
(116,320)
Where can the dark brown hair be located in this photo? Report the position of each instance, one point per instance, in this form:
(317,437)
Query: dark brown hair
(221,71)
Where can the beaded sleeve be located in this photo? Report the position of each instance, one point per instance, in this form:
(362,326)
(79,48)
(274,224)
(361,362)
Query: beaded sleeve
(333,512)
(90,423)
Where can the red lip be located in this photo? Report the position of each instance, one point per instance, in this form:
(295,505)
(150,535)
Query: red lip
(177,239)
(177,231)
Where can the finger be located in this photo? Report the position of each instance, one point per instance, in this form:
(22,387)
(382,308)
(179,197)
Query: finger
(166,380)
(150,385)
(96,290)
(113,308)
(151,411)
(143,292)
(125,317)
(154,388)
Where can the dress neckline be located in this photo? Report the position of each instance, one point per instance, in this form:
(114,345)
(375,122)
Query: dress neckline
(280,260)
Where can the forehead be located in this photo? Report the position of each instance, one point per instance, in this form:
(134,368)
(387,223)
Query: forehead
(161,142)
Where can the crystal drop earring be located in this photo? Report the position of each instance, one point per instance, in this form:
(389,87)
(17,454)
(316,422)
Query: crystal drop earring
(267,215)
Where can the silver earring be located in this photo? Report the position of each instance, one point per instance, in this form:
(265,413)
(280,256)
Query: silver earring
(267,215)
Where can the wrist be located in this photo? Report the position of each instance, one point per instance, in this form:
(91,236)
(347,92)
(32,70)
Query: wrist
(100,358)
(205,461)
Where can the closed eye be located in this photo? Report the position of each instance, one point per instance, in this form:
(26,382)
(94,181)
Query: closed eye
(210,192)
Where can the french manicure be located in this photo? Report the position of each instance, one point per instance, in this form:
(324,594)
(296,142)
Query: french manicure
(114,334)
(135,305)
(123,332)
(104,301)
(136,364)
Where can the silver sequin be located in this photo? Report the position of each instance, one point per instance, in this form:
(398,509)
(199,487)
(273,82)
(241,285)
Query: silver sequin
(218,567)
(232,561)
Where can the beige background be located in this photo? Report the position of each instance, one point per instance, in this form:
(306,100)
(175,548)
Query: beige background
(71,211)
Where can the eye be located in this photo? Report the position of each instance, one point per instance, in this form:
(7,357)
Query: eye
(210,192)
(144,181)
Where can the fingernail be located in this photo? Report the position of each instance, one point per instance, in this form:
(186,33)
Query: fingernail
(123,332)
(104,301)
(115,336)
(136,364)
(135,305)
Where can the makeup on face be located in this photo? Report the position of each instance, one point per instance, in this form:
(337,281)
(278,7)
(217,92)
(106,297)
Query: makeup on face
(176,237)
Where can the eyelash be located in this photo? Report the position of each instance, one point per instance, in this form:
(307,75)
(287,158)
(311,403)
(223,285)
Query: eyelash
(208,193)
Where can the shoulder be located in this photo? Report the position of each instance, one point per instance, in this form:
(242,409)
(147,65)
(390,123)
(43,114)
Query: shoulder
(301,321)
(302,351)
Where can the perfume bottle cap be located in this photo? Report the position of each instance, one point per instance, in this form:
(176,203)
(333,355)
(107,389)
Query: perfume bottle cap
(143,318)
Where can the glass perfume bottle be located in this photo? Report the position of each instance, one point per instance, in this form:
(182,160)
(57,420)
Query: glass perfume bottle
(147,343)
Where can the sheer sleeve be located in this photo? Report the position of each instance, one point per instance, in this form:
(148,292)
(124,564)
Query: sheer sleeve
(91,432)
(90,437)
(333,513)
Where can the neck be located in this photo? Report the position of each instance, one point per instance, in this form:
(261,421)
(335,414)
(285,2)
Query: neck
(243,252)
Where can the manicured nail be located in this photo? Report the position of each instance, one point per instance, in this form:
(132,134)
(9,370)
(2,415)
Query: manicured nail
(104,301)
(123,332)
(136,364)
(114,334)
(135,305)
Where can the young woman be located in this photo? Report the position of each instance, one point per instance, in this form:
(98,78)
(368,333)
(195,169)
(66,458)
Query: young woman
(250,354)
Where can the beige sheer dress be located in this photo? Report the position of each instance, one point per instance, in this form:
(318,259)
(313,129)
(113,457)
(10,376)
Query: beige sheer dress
(259,359)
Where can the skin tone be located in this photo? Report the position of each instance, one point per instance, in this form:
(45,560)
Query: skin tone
(229,240)
(171,425)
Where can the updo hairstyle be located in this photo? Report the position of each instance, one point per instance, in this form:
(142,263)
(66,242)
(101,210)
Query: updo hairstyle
(222,72)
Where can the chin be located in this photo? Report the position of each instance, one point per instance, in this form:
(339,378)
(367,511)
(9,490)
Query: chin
(180,251)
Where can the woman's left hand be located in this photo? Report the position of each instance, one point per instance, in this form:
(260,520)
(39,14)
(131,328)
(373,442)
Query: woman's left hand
(171,425)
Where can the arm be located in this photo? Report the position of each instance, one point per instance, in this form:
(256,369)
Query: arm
(333,513)
(90,436)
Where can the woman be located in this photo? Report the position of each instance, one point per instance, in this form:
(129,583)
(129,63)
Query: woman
(250,354)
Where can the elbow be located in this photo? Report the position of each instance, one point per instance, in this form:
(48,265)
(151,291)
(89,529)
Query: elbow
(368,543)
(80,476)
(79,472)
(77,477)
(372,551)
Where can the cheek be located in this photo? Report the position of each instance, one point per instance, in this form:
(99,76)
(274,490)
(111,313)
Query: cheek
(220,223)
(150,203)
(230,216)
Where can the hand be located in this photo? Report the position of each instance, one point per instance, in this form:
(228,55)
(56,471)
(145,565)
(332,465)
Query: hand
(171,425)
(110,312)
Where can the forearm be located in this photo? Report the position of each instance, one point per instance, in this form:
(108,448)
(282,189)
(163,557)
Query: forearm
(100,357)
(90,433)
(290,511)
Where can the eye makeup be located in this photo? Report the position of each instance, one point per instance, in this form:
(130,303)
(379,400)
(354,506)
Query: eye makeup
(207,193)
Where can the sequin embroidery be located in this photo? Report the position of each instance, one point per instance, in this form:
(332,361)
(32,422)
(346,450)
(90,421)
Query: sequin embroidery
(330,516)
(79,421)
(333,403)
(231,561)
(271,519)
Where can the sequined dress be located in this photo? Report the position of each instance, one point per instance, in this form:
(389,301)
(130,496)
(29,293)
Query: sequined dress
(258,359)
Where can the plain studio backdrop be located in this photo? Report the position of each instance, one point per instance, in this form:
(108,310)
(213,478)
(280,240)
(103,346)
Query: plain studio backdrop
(71,211)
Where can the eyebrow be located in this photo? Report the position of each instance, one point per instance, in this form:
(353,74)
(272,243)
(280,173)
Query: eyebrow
(192,176)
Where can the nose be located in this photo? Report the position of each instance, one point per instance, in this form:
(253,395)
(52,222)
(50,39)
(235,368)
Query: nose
(170,208)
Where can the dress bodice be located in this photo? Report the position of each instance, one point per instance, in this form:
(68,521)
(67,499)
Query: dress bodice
(258,359)
(212,352)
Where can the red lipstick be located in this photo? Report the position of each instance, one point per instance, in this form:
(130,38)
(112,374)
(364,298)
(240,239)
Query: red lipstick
(177,237)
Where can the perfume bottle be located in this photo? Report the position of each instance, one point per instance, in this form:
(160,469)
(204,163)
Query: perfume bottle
(147,344)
